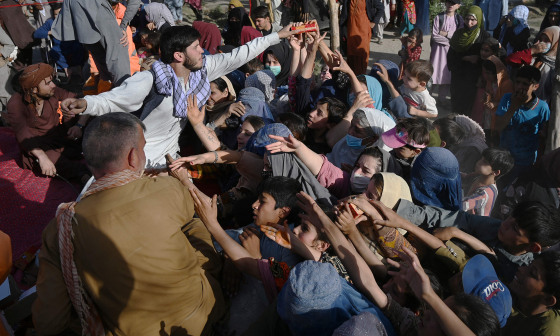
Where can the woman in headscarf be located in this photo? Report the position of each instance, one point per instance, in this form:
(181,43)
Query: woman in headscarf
(513,31)
(277,59)
(541,55)
(365,130)
(158,15)
(435,179)
(552,17)
(210,37)
(239,30)
(265,81)
(462,60)
(493,83)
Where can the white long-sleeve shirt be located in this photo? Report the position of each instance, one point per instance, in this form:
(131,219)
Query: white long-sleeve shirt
(162,127)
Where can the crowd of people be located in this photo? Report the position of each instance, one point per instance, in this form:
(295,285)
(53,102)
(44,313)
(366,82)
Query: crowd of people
(249,180)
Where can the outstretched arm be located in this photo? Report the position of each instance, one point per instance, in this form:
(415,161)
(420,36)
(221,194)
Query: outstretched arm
(312,160)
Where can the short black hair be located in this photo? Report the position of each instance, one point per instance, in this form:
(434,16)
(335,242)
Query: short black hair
(336,109)
(108,136)
(55,6)
(260,12)
(476,314)
(255,121)
(252,66)
(418,129)
(529,72)
(220,83)
(284,190)
(417,32)
(174,39)
(153,38)
(499,159)
(540,221)
(450,131)
(295,123)
(551,261)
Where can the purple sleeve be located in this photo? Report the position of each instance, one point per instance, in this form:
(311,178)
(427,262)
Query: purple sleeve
(336,180)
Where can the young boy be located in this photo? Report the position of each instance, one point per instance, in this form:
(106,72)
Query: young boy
(521,118)
(536,297)
(409,137)
(416,76)
(263,22)
(494,163)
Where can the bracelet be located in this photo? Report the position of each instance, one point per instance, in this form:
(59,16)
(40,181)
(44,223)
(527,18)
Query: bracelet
(80,126)
(215,156)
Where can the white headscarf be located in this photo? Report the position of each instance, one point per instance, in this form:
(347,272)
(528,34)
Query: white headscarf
(378,121)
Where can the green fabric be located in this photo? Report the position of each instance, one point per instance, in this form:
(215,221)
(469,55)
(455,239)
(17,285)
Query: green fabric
(465,37)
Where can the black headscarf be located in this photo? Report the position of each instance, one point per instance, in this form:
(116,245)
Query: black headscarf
(283,53)
(233,34)
(553,8)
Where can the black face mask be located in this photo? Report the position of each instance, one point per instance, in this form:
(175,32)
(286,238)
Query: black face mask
(266,174)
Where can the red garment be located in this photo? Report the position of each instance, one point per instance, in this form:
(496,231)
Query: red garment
(413,54)
(248,34)
(44,132)
(359,34)
(210,37)
(195,3)
(523,57)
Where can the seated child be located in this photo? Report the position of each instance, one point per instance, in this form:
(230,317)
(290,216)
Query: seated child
(521,118)
(408,138)
(494,163)
(416,76)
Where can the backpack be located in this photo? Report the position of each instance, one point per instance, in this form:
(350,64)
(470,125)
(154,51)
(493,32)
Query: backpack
(152,100)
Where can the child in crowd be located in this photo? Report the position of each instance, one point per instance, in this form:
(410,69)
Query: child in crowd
(411,48)
(408,138)
(445,24)
(415,79)
(494,163)
(521,118)
(408,17)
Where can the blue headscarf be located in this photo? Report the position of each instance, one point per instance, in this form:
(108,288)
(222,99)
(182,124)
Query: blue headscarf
(435,179)
(260,139)
(255,104)
(375,91)
(316,300)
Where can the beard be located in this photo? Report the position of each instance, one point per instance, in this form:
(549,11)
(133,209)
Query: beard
(191,65)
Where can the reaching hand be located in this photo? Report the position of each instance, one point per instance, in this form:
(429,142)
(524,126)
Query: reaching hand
(415,274)
(192,160)
(251,242)
(194,115)
(314,41)
(296,41)
(388,217)
(207,211)
(341,64)
(285,144)
(237,109)
(312,212)
(286,32)
(72,106)
(444,234)
(363,99)
(74,133)
(279,234)
(382,72)
(345,220)
(180,173)
(538,48)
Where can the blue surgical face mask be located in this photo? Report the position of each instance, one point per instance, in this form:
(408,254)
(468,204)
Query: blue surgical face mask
(353,142)
(548,46)
(274,68)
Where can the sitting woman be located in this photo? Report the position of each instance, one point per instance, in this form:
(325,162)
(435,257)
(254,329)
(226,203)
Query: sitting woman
(542,55)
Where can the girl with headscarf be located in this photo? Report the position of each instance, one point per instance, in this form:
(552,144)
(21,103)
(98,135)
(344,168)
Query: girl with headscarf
(541,55)
(435,179)
(158,16)
(513,31)
(210,37)
(493,83)
(552,17)
(265,81)
(277,59)
(462,60)
(240,29)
